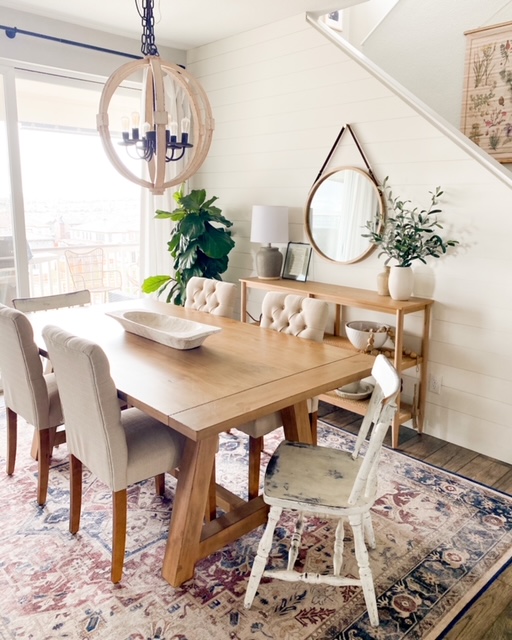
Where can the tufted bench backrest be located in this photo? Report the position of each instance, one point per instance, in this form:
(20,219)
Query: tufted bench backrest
(211,296)
(296,315)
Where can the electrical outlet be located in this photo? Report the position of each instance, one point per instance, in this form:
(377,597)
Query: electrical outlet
(434,384)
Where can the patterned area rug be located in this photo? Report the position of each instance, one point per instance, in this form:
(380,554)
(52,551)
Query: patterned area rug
(440,539)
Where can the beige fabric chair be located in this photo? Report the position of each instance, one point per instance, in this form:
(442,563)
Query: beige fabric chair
(301,317)
(28,393)
(88,272)
(211,296)
(338,484)
(57,301)
(120,448)
(217,298)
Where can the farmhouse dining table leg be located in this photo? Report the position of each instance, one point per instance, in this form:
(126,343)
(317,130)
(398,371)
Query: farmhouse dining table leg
(189,539)
(296,423)
(182,550)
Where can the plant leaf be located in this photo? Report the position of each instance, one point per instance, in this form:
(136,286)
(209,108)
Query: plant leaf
(151,284)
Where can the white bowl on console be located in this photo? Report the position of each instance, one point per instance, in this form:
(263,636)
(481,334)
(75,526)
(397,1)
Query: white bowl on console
(359,333)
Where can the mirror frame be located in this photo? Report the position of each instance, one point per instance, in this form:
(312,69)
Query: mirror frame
(314,189)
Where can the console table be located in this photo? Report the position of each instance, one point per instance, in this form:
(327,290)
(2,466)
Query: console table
(341,297)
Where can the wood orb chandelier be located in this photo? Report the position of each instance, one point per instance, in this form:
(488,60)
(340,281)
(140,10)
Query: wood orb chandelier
(166,136)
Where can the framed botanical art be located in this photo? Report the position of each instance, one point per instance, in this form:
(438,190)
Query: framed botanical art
(487,99)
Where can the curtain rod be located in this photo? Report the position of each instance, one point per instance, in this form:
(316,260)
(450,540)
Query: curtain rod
(12,32)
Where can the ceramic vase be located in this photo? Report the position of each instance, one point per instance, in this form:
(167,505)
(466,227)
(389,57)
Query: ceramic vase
(401,283)
(382,282)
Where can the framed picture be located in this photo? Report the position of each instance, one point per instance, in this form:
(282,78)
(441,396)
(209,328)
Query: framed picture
(487,97)
(334,20)
(296,262)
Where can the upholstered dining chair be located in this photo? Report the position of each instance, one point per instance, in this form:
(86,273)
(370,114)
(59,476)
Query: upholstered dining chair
(217,298)
(28,393)
(301,317)
(211,296)
(338,484)
(119,447)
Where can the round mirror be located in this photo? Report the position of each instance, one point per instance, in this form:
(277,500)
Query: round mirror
(338,207)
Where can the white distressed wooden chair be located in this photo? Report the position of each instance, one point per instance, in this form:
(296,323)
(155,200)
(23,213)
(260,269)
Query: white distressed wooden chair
(119,447)
(301,317)
(211,296)
(28,393)
(325,482)
(57,301)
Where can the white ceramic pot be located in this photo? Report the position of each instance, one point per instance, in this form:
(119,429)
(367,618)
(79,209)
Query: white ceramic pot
(401,280)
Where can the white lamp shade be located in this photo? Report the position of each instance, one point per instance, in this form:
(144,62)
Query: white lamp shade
(269,224)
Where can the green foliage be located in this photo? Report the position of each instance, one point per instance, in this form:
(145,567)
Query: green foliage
(199,244)
(409,233)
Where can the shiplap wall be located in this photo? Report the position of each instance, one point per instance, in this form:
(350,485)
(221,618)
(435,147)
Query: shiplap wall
(280,95)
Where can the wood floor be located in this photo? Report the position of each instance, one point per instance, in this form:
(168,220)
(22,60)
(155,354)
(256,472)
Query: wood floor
(490,617)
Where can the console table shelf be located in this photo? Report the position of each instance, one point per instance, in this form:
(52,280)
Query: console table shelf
(340,297)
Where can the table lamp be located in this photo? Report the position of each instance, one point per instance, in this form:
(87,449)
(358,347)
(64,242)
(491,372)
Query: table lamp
(269,224)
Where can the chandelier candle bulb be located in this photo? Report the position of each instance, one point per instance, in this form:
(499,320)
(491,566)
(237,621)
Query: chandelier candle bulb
(125,126)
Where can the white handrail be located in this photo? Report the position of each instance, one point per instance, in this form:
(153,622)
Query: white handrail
(413,101)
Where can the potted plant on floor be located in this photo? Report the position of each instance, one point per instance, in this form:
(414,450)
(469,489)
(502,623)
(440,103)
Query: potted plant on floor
(199,244)
(407,234)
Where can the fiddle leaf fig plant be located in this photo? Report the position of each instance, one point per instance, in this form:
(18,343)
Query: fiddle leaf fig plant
(199,244)
(408,233)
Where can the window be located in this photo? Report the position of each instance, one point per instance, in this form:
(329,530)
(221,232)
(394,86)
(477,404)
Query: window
(72,195)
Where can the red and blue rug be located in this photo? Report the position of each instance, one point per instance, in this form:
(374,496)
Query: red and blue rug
(440,540)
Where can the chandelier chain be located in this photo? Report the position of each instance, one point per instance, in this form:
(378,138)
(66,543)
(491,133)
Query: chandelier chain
(148,44)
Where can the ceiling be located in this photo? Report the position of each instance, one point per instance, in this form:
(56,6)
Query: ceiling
(185,24)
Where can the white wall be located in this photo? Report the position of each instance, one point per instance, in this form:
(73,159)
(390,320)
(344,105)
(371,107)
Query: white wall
(280,95)
(422,45)
(361,20)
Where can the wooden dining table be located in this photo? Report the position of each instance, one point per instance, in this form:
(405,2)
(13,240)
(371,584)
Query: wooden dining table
(238,374)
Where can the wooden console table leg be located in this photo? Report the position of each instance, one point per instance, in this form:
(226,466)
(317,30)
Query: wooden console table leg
(424,368)
(243,302)
(395,427)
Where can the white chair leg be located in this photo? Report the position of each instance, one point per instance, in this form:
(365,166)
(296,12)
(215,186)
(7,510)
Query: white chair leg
(369,534)
(295,541)
(260,561)
(365,573)
(337,559)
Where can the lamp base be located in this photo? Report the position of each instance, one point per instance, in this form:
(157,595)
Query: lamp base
(269,261)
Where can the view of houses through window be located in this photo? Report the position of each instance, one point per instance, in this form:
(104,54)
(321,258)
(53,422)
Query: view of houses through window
(73,198)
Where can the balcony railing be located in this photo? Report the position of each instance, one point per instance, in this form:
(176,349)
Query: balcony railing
(49,272)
